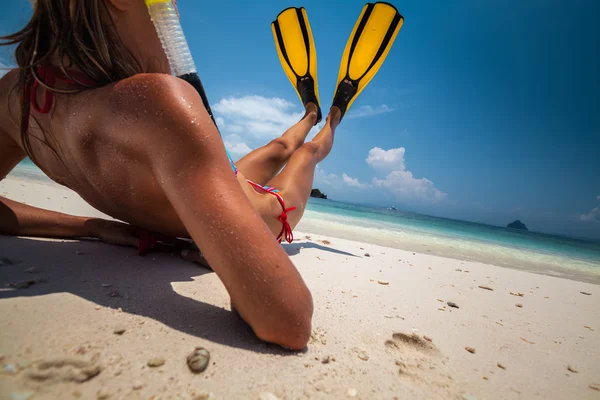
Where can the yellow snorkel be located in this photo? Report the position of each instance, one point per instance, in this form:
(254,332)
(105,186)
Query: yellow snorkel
(166,21)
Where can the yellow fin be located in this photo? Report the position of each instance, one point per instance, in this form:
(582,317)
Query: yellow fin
(368,46)
(296,47)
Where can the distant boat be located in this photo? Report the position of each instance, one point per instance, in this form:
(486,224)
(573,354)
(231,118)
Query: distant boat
(392,208)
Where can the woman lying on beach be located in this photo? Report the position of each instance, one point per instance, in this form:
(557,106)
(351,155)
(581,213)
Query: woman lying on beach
(94,105)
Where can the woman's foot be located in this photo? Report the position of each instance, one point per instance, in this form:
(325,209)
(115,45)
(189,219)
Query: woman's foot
(345,93)
(306,88)
(313,113)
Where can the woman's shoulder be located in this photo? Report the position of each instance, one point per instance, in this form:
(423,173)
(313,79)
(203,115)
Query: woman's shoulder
(153,100)
(151,92)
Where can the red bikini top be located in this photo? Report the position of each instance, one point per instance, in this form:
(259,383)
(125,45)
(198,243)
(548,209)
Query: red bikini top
(49,74)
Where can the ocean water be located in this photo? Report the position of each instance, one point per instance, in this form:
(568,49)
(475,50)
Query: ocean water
(537,252)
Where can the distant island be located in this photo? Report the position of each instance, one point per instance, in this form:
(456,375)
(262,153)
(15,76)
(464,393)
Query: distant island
(317,193)
(517,225)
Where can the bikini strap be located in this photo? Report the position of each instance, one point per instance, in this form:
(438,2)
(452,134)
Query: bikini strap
(286,230)
(49,74)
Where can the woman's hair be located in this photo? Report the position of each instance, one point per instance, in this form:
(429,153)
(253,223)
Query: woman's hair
(71,33)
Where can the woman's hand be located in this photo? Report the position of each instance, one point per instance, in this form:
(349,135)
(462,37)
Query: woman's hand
(114,232)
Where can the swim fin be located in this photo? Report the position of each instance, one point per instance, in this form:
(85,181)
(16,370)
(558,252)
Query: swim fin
(367,48)
(297,53)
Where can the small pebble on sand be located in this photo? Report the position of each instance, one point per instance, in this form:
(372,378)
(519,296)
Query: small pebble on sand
(119,330)
(267,396)
(383,283)
(586,293)
(352,392)
(362,354)
(470,350)
(103,394)
(21,395)
(10,368)
(571,369)
(198,360)
(97,308)
(588,327)
(485,287)
(367,255)
(326,242)
(137,385)
(595,386)
(519,305)
(452,304)
(500,366)
(156,362)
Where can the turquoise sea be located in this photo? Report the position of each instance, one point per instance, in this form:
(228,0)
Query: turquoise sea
(538,252)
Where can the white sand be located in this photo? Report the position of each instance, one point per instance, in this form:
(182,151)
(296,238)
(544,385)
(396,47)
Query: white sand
(168,306)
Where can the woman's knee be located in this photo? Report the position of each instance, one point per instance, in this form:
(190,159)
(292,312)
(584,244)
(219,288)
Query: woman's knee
(311,149)
(281,148)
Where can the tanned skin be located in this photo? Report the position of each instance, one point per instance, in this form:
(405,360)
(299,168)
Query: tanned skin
(145,151)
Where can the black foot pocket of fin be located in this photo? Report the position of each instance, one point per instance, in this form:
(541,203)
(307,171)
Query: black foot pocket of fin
(343,95)
(306,89)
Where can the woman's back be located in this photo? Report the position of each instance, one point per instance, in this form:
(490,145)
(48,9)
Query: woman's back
(89,142)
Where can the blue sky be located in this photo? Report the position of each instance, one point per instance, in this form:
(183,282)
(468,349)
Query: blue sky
(484,110)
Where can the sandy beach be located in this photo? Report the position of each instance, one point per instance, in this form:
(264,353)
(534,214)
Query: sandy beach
(388,323)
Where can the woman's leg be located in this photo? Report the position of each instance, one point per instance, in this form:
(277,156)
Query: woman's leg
(296,179)
(262,164)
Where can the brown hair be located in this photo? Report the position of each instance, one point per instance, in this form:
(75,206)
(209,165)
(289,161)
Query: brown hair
(77,33)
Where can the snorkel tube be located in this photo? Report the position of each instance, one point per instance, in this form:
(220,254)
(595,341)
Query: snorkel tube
(166,21)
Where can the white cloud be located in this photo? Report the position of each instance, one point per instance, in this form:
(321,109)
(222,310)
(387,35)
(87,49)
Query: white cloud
(400,181)
(593,215)
(353,182)
(325,179)
(236,146)
(392,159)
(406,187)
(256,116)
(369,111)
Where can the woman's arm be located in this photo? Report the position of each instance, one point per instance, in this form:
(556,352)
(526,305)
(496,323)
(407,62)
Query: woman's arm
(189,160)
(20,219)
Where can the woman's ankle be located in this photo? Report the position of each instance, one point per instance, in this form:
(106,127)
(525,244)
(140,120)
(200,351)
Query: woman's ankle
(334,117)
(312,113)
